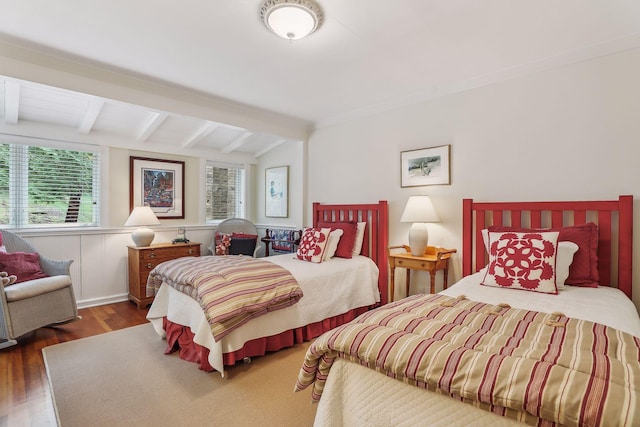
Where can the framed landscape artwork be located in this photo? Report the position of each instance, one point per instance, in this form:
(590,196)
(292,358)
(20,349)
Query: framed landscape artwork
(277,192)
(426,166)
(159,184)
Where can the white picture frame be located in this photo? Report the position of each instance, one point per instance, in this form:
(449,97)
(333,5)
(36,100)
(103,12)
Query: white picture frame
(276,193)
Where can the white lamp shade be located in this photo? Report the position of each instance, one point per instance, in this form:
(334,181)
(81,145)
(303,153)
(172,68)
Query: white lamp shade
(419,210)
(142,216)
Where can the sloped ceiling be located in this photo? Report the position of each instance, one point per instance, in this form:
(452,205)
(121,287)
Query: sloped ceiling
(368,57)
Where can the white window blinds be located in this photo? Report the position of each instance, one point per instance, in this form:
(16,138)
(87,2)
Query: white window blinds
(43,186)
(225,187)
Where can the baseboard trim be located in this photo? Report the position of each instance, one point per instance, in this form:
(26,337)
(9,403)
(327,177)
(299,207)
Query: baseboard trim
(102,301)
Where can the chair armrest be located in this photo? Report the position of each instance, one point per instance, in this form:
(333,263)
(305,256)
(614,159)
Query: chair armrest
(257,249)
(52,267)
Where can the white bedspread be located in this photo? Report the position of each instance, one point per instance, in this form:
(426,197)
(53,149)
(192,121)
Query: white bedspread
(330,288)
(347,398)
(605,305)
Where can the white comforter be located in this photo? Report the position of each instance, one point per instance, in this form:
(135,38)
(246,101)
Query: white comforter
(330,288)
(348,400)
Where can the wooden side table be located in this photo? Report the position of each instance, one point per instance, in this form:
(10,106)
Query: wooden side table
(434,259)
(143,259)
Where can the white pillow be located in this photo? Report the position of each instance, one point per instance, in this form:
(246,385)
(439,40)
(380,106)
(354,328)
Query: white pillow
(566,251)
(332,244)
(357,244)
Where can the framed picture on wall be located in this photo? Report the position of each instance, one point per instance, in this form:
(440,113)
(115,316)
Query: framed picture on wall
(426,166)
(159,184)
(277,192)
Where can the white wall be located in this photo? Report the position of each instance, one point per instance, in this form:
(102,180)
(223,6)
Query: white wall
(567,134)
(289,154)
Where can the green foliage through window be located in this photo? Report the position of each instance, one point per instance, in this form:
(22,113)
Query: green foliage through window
(225,192)
(43,186)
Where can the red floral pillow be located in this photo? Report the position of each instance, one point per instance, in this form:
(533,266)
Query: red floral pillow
(525,261)
(584,268)
(223,241)
(313,244)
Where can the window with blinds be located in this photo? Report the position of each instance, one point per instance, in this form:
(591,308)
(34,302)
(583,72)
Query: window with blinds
(42,186)
(225,186)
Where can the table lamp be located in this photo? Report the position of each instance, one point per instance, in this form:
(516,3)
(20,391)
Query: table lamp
(419,210)
(142,216)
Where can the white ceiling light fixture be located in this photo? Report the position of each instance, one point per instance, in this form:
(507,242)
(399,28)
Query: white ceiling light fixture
(291,19)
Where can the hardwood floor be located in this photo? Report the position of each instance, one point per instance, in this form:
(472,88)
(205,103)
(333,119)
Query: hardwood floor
(25,399)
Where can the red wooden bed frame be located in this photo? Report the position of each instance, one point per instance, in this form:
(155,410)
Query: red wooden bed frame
(615,228)
(374,246)
(376,233)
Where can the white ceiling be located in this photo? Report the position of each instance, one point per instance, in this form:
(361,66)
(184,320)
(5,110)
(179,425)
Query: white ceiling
(368,56)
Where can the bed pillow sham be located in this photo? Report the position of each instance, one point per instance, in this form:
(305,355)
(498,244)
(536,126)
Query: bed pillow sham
(566,251)
(584,268)
(346,242)
(313,244)
(524,261)
(357,244)
(332,244)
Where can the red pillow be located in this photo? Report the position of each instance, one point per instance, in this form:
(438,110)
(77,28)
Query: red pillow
(583,271)
(25,266)
(345,244)
(244,235)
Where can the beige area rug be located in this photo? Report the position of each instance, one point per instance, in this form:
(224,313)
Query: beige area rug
(123,378)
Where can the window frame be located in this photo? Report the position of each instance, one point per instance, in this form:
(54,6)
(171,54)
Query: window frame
(16,220)
(226,165)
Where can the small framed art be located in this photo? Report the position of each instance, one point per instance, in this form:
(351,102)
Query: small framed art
(159,184)
(277,192)
(426,166)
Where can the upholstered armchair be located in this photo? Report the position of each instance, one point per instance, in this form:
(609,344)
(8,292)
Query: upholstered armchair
(32,304)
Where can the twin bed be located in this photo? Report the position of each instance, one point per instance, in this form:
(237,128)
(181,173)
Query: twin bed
(477,355)
(335,291)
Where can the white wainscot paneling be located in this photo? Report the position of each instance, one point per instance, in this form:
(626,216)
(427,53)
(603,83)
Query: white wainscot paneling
(61,247)
(104,272)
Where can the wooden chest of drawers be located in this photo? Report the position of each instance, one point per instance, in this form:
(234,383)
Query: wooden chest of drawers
(143,259)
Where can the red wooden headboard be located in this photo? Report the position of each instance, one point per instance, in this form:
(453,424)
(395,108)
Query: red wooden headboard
(376,234)
(615,227)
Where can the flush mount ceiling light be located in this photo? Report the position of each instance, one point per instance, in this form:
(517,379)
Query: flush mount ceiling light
(291,19)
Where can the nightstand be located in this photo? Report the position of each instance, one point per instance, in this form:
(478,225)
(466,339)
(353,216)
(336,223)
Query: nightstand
(434,259)
(143,259)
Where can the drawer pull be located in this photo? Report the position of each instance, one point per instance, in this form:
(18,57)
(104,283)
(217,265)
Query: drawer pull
(149,266)
(190,250)
(152,255)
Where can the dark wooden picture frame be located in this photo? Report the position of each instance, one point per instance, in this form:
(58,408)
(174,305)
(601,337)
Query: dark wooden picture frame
(159,184)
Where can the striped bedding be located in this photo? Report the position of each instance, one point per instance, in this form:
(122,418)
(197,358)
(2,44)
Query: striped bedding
(537,368)
(230,289)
